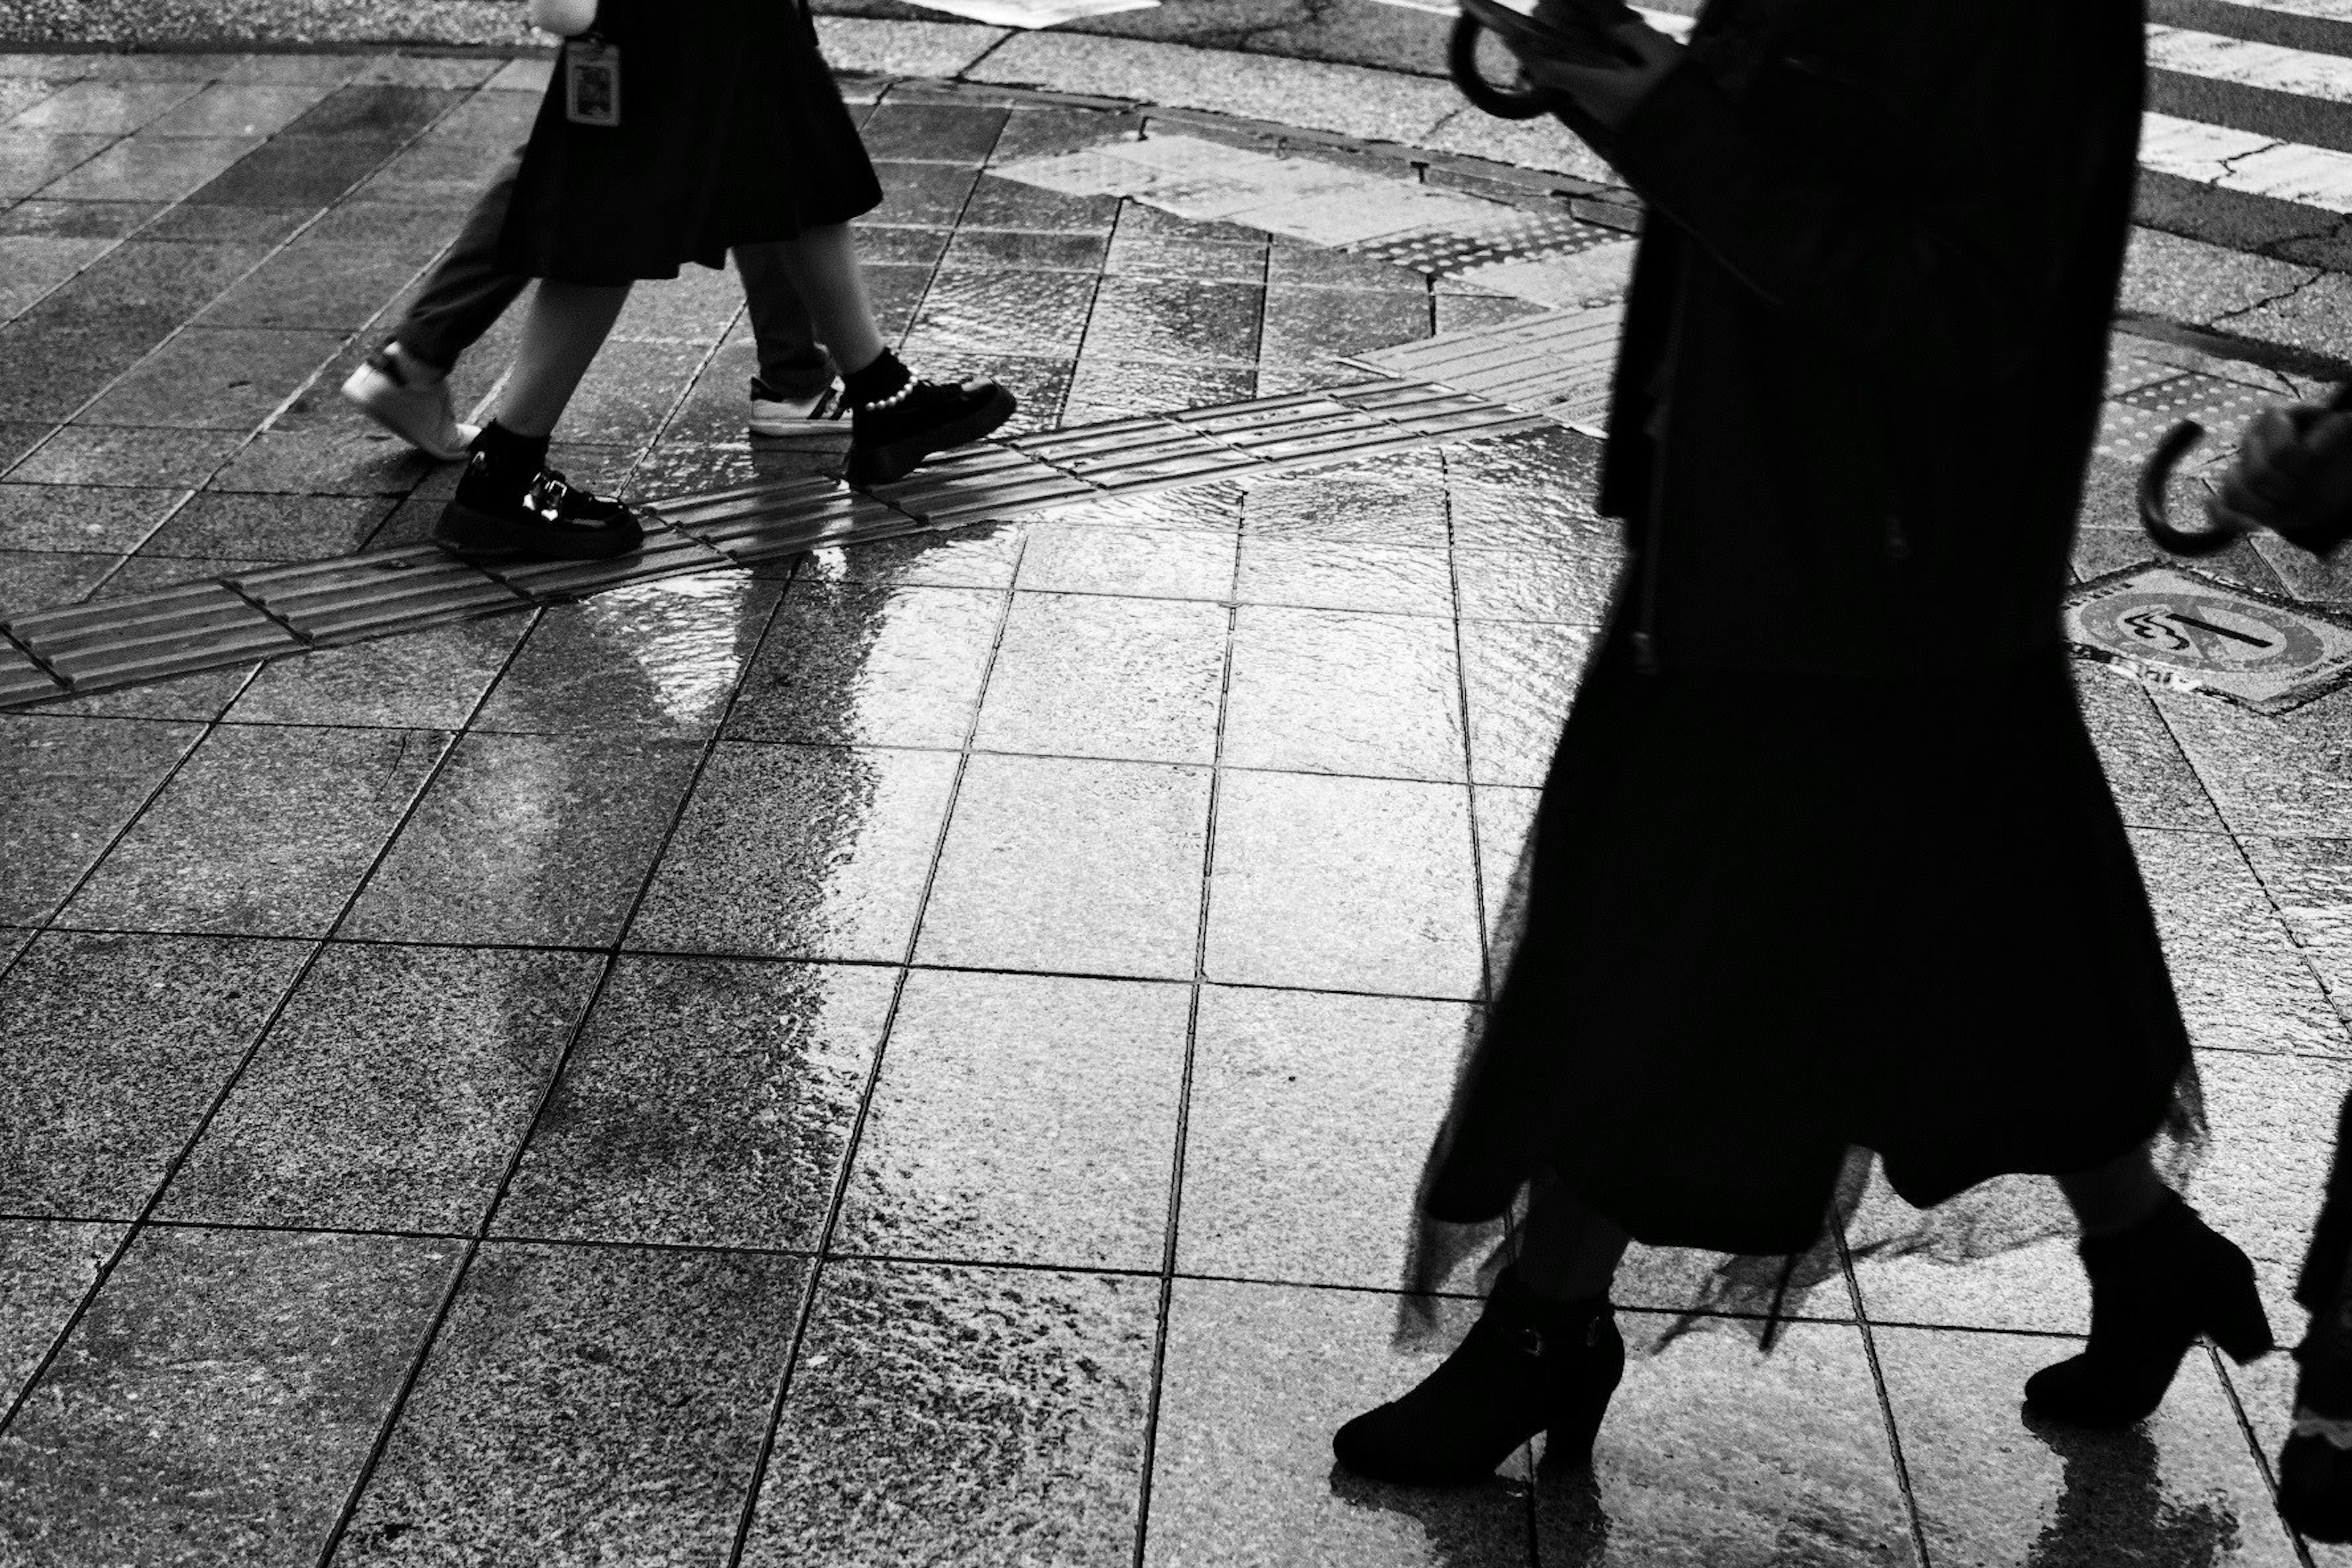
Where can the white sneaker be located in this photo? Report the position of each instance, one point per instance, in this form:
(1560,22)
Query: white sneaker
(419,414)
(819,419)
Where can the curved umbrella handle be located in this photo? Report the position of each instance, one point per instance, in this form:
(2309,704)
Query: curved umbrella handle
(2154,514)
(1523,102)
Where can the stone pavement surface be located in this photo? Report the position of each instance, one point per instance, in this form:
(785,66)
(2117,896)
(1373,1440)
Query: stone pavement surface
(919,1052)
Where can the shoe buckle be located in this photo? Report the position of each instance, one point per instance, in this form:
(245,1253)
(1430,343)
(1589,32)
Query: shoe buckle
(1528,1341)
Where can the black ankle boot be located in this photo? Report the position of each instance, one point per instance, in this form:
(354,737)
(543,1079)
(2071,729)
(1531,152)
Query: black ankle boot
(897,421)
(1528,1365)
(2154,1289)
(509,502)
(2315,1472)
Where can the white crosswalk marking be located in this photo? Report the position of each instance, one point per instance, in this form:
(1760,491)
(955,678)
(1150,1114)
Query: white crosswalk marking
(2303,72)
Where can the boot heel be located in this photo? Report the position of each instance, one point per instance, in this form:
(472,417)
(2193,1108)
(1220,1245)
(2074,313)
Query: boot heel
(1568,1439)
(2239,1325)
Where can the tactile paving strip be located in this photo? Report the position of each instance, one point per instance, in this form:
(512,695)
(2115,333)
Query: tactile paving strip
(203,625)
(1559,365)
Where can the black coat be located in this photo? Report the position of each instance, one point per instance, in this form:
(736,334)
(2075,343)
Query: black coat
(1869,314)
(731,132)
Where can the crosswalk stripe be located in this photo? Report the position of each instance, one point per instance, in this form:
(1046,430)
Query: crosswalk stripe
(2247,162)
(2275,67)
(2324,10)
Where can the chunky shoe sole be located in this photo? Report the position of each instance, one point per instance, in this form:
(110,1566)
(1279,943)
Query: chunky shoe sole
(465,531)
(418,417)
(878,465)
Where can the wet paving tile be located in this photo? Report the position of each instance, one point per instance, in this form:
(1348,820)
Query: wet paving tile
(847,663)
(1405,505)
(198,223)
(149,169)
(1327,691)
(1521,678)
(1257,1379)
(2153,783)
(708,1102)
(800,852)
(2180,1489)
(2309,881)
(99,454)
(1036,131)
(1006,203)
(237,108)
(38,580)
(977,556)
(325,462)
(1105,389)
(960,1417)
(115,1048)
(654,660)
(30,159)
(933,132)
(1002,250)
(2273,1120)
(1505,816)
(1999,1256)
(1021,1118)
(692,308)
(432,678)
(1343,884)
(281,528)
(215,378)
(201,696)
(545,840)
(1317,326)
(1714,1453)
(1532,491)
(1084,676)
(1141,250)
(1299,264)
(106,108)
(2241,982)
(1574,589)
(1074,867)
(1041,385)
(50,1265)
(219,1398)
(318,284)
(266,830)
(2282,776)
(1190,323)
(72,784)
(1078,558)
(922,196)
(1304,1138)
(391,1094)
(965,314)
(632,1433)
(33,265)
(1319,574)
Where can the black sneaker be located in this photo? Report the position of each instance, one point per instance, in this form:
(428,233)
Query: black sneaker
(547,519)
(888,439)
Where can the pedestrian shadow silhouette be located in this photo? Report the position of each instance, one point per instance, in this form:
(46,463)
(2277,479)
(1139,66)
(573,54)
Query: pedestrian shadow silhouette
(1461,1527)
(2112,1505)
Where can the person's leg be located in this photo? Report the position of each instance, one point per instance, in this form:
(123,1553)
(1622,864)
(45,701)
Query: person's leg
(793,361)
(820,267)
(2115,1197)
(566,325)
(1566,1250)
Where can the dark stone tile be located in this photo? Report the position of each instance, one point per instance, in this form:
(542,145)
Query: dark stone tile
(1008,204)
(217,1401)
(1149,243)
(881,245)
(629,391)
(1520,678)
(72,785)
(31,265)
(279,528)
(320,286)
(1343,884)
(633,1434)
(50,1266)
(1190,323)
(1036,313)
(932,132)
(1289,1082)
(1105,389)
(428,679)
(204,224)
(105,108)
(1763,1457)
(267,829)
(227,378)
(16,438)
(923,196)
(85,333)
(529,838)
(856,664)
(653,659)
(933,1410)
(40,579)
(104,455)
(441,173)
(896,292)
(293,170)
(202,697)
(732,1132)
(2180,1488)
(1000,250)
(75,518)
(391,1094)
(1296,264)
(237,108)
(375,111)
(1078,675)
(1241,1472)
(1330,692)
(115,1048)
(1092,868)
(1329,574)
(31,159)
(344,460)
(1036,131)
(693,307)
(800,851)
(143,573)
(148,169)
(1021,1118)
(1314,326)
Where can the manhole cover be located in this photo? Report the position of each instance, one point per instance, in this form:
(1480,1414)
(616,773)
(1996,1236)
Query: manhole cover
(2186,629)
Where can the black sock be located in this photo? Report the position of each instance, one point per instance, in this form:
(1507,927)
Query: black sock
(513,460)
(886,377)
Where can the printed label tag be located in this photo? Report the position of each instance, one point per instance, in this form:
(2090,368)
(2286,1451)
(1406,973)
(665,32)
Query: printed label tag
(592,82)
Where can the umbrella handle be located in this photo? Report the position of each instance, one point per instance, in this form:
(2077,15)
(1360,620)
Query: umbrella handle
(2154,515)
(1462,62)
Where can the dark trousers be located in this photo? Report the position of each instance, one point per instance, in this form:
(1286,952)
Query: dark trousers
(468,293)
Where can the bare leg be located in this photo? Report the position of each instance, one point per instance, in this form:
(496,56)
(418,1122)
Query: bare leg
(823,266)
(2117,1195)
(1567,1252)
(566,325)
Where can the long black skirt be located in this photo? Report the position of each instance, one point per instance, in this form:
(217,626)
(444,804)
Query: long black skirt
(731,132)
(1771,919)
